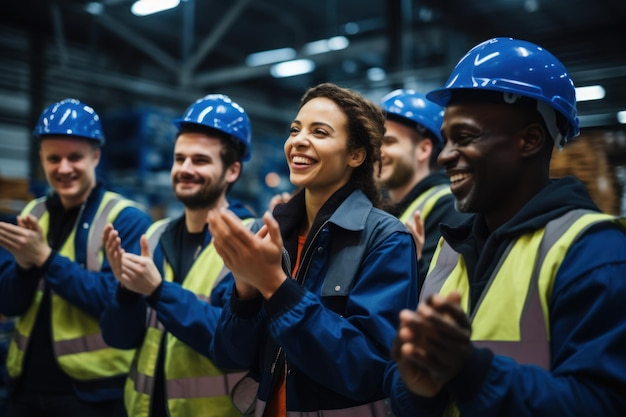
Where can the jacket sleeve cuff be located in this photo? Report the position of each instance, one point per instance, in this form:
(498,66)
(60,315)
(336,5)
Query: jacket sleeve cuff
(153,298)
(466,385)
(405,403)
(245,308)
(285,297)
(125,296)
(36,272)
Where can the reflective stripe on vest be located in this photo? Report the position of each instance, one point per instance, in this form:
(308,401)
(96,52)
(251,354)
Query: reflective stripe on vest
(157,229)
(197,387)
(425,202)
(527,340)
(375,409)
(194,385)
(79,348)
(103,216)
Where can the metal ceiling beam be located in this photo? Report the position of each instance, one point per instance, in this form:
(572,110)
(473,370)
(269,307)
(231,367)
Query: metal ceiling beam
(598,74)
(146,89)
(57,23)
(140,42)
(243,72)
(210,41)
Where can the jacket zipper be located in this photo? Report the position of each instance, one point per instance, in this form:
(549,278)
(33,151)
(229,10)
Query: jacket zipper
(287,264)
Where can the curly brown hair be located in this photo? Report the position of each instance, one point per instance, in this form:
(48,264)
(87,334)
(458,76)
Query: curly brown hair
(366,128)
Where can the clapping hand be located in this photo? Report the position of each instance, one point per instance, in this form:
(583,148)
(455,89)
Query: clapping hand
(137,273)
(254,259)
(432,343)
(25,241)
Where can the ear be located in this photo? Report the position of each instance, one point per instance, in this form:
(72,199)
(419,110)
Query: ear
(96,156)
(233,172)
(357,157)
(425,147)
(533,139)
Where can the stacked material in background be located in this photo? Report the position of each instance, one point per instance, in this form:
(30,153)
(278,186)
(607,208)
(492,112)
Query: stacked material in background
(586,158)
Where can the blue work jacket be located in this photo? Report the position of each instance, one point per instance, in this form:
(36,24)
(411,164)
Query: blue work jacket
(180,311)
(88,290)
(587,324)
(336,319)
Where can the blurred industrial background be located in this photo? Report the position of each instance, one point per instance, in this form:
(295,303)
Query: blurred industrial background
(141,71)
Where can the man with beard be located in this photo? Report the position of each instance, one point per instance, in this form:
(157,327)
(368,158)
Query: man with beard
(418,192)
(170,294)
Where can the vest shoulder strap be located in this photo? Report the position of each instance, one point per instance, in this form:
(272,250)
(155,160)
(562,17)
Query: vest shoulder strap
(154,232)
(425,202)
(446,258)
(110,206)
(36,207)
(444,262)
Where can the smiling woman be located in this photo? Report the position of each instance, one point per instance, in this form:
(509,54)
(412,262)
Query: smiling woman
(334,270)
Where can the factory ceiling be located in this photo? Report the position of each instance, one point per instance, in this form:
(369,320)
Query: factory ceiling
(102,53)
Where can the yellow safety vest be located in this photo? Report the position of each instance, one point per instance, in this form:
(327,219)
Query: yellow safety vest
(425,202)
(194,386)
(78,344)
(512,316)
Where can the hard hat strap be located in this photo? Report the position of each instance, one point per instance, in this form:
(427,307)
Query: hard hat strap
(549,118)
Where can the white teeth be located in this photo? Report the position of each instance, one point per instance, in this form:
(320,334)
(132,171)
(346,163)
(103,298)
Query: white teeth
(458,177)
(301,160)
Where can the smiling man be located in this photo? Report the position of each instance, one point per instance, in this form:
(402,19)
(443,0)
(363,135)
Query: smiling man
(58,281)
(172,291)
(417,189)
(522,313)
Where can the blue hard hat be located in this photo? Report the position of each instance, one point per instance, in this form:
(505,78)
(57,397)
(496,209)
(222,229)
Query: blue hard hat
(219,112)
(521,68)
(70,117)
(416,108)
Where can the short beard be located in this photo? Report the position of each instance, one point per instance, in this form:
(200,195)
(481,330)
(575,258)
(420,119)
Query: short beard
(206,197)
(398,178)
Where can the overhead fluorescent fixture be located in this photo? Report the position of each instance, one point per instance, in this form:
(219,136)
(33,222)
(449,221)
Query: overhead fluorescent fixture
(531,6)
(352,28)
(592,92)
(335,43)
(147,7)
(376,74)
(94,8)
(621,117)
(292,68)
(270,57)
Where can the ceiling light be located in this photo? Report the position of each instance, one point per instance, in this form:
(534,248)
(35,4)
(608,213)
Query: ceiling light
(592,92)
(621,117)
(291,68)
(337,43)
(94,8)
(270,57)
(531,6)
(376,74)
(326,45)
(352,28)
(146,7)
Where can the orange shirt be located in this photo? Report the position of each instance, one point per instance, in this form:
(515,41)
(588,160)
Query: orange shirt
(277,404)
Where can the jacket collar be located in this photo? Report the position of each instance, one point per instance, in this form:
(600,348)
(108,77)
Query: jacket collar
(353,212)
(346,208)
